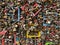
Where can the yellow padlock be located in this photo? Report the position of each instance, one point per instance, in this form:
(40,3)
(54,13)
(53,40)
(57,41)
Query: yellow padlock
(31,36)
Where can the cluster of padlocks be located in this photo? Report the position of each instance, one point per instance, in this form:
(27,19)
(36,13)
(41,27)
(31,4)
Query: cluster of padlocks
(29,22)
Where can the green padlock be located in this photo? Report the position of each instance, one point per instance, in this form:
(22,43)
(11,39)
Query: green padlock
(49,43)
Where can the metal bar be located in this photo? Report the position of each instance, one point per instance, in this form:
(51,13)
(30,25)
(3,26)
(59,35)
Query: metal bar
(18,14)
